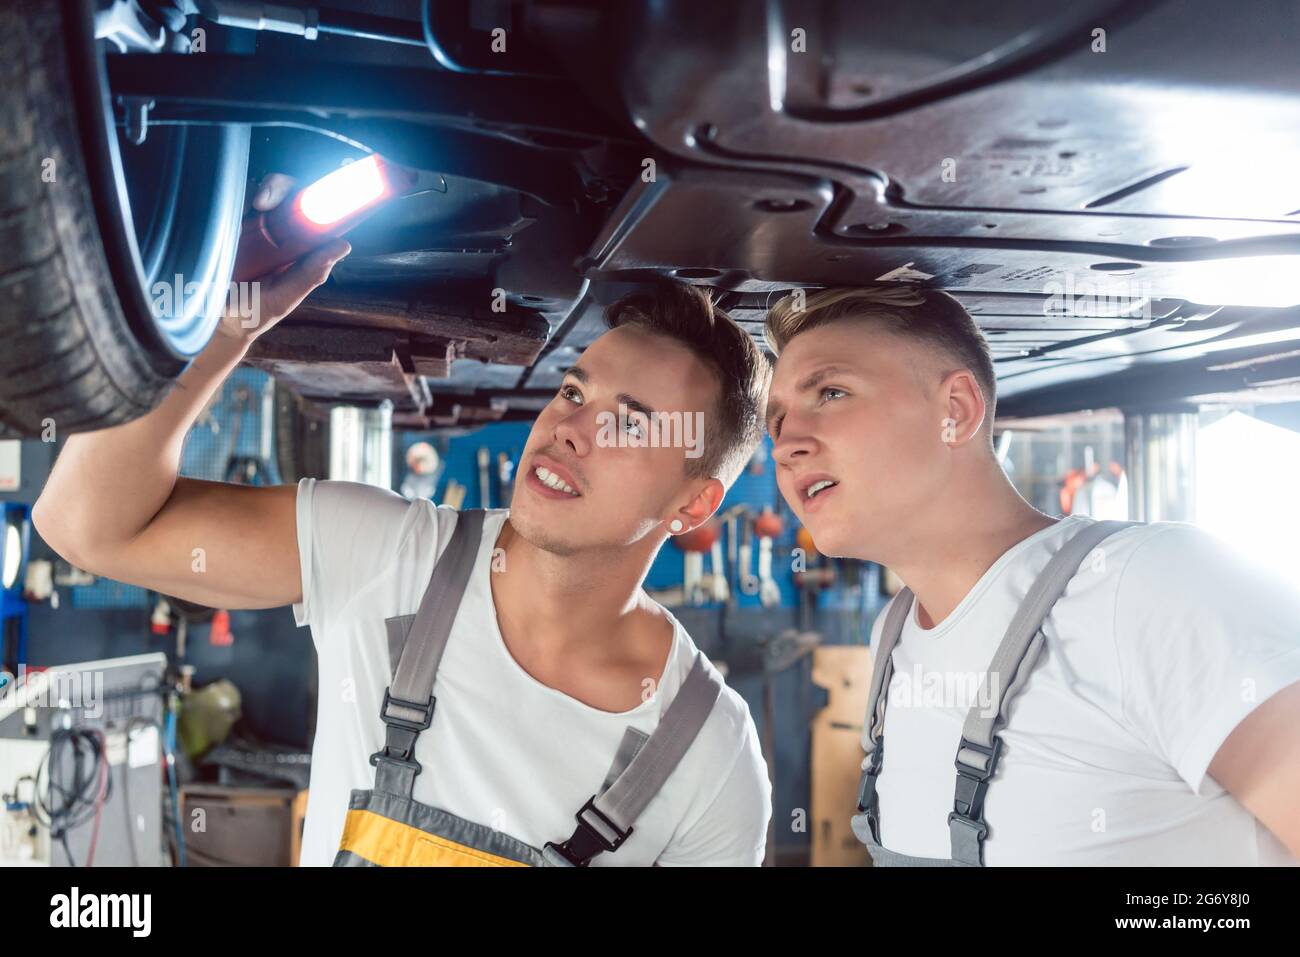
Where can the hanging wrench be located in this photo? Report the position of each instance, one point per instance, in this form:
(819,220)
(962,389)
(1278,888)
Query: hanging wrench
(748,583)
(718,576)
(767,526)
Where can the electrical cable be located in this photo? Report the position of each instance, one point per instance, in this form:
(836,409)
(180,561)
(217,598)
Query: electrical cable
(105,776)
(66,805)
(170,746)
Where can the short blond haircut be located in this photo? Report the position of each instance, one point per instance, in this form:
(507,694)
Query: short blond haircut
(932,318)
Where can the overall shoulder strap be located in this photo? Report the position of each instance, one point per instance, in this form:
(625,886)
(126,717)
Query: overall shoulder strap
(873,732)
(606,820)
(633,740)
(977,755)
(427,639)
(408,702)
(1020,645)
(883,669)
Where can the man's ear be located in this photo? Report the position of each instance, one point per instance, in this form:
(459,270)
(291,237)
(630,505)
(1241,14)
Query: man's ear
(706,501)
(964,407)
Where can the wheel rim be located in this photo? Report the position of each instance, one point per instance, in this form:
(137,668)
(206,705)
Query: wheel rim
(177,231)
(181,229)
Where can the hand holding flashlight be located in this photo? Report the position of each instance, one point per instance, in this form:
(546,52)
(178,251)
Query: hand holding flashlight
(272,237)
(289,242)
(280,289)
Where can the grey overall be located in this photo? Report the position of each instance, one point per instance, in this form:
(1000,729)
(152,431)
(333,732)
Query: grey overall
(980,748)
(387,827)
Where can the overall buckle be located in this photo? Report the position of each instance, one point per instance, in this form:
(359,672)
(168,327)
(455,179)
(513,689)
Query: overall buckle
(587,841)
(973,783)
(399,744)
(867,780)
(393,759)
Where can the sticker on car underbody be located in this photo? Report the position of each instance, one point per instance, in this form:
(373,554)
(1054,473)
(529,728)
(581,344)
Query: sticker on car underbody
(904,273)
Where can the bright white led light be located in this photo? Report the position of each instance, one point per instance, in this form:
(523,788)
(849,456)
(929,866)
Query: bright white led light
(343,192)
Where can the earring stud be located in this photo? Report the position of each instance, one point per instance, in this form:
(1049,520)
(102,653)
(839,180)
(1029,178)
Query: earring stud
(675,525)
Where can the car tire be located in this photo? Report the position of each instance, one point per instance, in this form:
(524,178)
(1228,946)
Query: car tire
(80,351)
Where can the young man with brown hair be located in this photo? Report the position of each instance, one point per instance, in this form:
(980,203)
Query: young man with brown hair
(553,670)
(1110,694)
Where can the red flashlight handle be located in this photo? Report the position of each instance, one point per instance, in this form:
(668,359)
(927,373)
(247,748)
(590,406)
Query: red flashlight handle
(277,237)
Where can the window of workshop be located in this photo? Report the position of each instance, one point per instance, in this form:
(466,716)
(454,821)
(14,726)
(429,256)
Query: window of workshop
(1068,465)
(1247,472)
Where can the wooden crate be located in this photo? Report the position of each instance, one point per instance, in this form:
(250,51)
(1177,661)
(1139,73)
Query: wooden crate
(845,672)
(245,827)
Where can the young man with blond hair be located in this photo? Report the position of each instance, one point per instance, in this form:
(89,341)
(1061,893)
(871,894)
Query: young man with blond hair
(1110,694)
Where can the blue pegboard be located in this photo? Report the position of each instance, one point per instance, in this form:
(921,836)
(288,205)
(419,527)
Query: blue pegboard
(106,593)
(460,462)
(203,456)
(460,458)
(206,451)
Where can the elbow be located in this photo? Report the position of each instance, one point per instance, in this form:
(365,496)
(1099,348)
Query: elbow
(41,520)
(50,524)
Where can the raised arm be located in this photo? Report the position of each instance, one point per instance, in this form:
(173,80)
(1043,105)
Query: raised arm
(115,506)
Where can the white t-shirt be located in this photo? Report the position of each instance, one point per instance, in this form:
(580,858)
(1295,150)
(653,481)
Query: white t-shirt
(1161,644)
(504,750)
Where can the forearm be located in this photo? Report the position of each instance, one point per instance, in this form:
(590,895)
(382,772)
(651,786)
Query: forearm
(113,503)
(107,485)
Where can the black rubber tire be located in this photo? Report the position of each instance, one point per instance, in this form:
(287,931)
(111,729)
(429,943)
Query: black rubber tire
(69,355)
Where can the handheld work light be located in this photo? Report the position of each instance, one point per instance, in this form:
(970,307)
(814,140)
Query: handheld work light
(328,207)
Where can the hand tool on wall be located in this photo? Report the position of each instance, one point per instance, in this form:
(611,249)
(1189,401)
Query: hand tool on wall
(731,519)
(454,494)
(484,485)
(694,544)
(717,572)
(748,582)
(767,526)
(505,479)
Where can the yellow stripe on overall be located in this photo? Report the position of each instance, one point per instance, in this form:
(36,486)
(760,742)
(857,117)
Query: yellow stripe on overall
(390,843)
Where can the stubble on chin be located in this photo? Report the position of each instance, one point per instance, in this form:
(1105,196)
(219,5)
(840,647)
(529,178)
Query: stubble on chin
(542,538)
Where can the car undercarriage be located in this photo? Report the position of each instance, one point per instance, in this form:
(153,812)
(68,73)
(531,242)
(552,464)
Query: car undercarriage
(1105,188)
